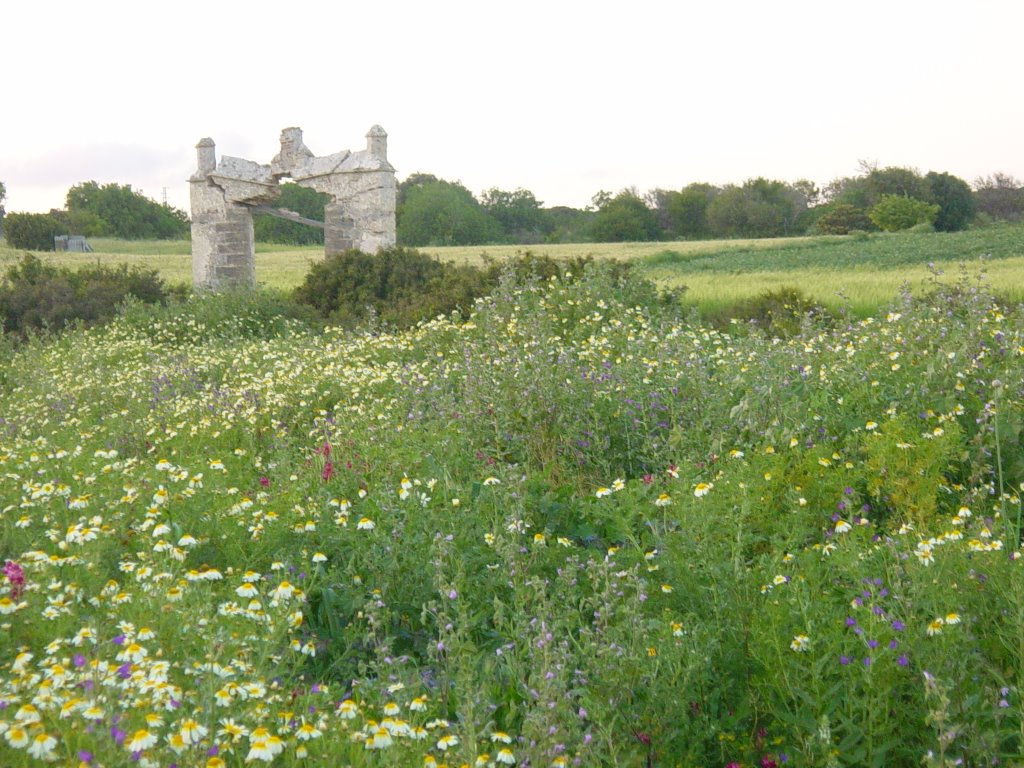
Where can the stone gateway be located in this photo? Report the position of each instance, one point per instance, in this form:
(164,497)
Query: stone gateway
(224,195)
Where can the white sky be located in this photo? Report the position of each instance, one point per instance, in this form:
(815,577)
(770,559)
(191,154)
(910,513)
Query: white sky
(563,98)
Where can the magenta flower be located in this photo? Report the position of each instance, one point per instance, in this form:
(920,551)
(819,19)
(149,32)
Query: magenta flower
(16,577)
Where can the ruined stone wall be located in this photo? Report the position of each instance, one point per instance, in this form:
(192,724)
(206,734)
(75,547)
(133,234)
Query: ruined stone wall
(361,214)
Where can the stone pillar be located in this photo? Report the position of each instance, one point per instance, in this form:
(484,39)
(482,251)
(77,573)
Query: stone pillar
(339,228)
(222,233)
(377,143)
(362,213)
(376,205)
(222,241)
(206,151)
(364,198)
(378,199)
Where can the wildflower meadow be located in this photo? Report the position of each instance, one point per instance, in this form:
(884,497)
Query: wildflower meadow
(570,527)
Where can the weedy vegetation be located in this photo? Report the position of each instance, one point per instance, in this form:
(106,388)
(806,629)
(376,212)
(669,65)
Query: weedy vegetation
(568,522)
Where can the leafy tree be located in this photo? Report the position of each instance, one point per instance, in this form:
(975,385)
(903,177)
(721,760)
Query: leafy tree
(307,203)
(955,201)
(624,217)
(683,214)
(31,231)
(689,211)
(866,190)
(808,190)
(760,208)
(841,219)
(83,223)
(126,213)
(848,190)
(1000,196)
(727,215)
(896,181)
(414,180)
(658,201)
(518,214)
(3,196)
(443,213)
(600,199)
(568,225)
(893,213)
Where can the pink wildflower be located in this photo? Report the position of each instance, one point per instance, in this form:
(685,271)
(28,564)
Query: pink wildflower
(16,577)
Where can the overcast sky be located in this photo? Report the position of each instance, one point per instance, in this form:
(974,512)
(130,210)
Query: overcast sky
(561,98)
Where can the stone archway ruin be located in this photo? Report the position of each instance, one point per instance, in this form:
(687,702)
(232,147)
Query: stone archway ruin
(224,195)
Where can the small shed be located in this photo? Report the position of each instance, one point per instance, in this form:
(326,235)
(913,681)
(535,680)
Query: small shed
(72,243)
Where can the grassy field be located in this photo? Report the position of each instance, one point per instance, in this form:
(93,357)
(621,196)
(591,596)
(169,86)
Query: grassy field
(860,272)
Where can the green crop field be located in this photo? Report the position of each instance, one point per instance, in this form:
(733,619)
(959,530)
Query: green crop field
(860,272)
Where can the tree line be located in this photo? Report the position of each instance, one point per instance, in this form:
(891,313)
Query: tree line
(94,210)
(433,211)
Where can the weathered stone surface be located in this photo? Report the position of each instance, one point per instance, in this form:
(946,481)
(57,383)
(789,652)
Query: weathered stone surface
(361,214)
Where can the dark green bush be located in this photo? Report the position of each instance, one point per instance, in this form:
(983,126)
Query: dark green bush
(893,213)
(400,287)
(841,219)
(777,312)
(31,231)
(34,295)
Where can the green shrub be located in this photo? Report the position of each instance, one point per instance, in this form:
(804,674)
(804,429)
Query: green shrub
(778,312)
(842,219)
(955,200)
(34,295)
(85,223)
(625,217)
(398,286)
(31,231)
(894,213)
